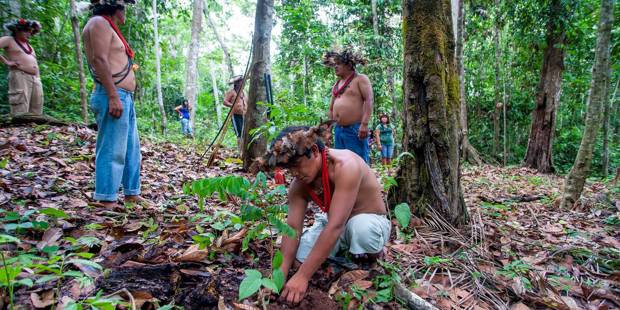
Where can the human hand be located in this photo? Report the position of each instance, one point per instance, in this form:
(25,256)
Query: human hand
(12,64)
(115,108)
(363,131)
(295,289)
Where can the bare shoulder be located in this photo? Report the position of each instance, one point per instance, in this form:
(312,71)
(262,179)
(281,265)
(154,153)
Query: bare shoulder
(363,78)
(96,23)
(5,41)
(347,165)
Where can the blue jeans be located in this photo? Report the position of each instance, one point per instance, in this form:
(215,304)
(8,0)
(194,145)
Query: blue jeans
(237,120)
(186,127)
(345,137)
(387,150)
(118,157)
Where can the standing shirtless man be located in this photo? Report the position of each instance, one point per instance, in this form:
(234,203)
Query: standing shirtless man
(351,103)
(239,107)
(25,89)
(110,59)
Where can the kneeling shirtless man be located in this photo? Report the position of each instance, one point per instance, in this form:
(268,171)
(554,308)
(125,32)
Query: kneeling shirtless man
(346,190)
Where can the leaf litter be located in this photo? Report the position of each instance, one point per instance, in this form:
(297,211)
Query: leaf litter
(519,251)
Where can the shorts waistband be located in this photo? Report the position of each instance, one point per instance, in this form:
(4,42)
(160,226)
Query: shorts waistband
(99,89)
(349,126)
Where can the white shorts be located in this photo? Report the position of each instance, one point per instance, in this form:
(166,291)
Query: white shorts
(364,233)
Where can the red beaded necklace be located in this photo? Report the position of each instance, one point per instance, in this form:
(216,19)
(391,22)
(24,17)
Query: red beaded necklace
(338,91)
(325,203)
(27,51)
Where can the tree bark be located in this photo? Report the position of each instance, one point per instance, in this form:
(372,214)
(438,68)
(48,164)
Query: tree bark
(598,96)
(216,96)
(375,19)
(468,152)
(540,142)
(498,59)
(191,68)
(160,99)
(606,123)
(431,177)
(220,40)
(256,116)
(79,58)
(616,114)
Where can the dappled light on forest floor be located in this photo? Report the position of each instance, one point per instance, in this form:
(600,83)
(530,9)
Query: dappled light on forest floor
(519,250)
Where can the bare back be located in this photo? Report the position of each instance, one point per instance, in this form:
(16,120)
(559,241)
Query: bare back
(240,105)
(348,107)
(98,28)
(27,62)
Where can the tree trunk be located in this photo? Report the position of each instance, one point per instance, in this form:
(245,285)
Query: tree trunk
(220,40)
(216,96)
(160,99)
(540,142)
(431,177)
(256,114)
(191,68)
(598,97)
(80,62)
(498,59)
(305,80)
(375,19)
(616,114)
(606,123)
(468,152)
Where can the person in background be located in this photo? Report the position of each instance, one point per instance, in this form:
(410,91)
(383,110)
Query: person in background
(25,88)
(186,124)
(238,106)
(384,136)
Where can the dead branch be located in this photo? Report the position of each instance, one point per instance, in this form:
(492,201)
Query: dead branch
(412,301)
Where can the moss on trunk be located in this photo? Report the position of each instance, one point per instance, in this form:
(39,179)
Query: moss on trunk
(431,177)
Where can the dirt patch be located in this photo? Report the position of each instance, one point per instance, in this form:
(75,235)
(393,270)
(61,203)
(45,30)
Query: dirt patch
(314,300)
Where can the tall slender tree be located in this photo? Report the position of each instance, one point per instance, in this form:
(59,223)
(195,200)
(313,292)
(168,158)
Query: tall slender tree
(468,153)
(191,67)
(79,59)
(540,142)
(216,95)
(431,177)
(606,125)
(598,96)
(255,146)
(497,86)
(220,40)
(160,97)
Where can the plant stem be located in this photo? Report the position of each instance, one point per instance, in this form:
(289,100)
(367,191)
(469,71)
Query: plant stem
(8,281)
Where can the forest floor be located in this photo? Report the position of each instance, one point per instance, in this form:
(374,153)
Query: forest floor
(519,251)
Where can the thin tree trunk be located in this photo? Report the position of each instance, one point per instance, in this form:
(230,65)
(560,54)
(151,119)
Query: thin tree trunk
(256,116)
(390,85)
(498,59)
(220,40)
(160,99)
(606,123)
(79,58)
(375,19)
(616,114)
(431,177)
(540,142)
(468,153)
(598,96)
(305,80)
(191,68)
(216,96)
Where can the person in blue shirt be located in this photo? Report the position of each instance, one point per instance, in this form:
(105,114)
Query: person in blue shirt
(186,124)
(384,133)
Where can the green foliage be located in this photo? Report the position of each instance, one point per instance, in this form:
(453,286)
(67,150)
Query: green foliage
(403,215)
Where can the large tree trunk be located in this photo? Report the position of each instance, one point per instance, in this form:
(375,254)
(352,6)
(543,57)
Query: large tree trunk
(261,63)
(216,96)
(606,123)
(598,98)
(220,40)
(431,177)
(540,143)
(191,68)
(498,59)
(468,152)
(160,98)
(80,62)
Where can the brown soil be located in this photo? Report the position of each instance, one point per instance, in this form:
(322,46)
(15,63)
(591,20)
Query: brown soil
(314,300)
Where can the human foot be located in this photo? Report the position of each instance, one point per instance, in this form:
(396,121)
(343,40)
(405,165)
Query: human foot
(105,204)
(138,200)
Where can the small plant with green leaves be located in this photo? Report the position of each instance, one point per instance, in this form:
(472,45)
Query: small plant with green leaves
(402,212)
(10,270)
(259,211)
(517,268)
(96,302)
